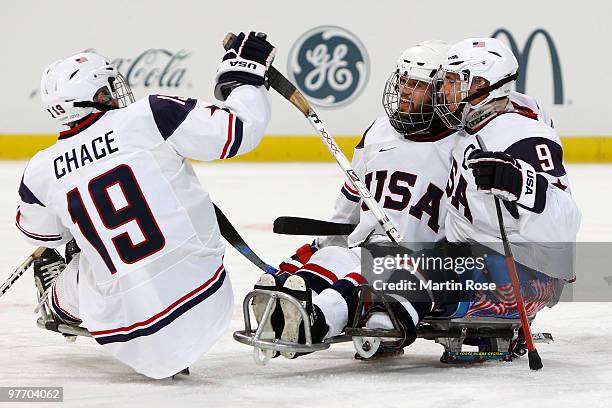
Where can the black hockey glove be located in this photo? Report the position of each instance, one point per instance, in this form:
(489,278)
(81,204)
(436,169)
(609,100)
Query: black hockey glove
(508,178)
(245,63)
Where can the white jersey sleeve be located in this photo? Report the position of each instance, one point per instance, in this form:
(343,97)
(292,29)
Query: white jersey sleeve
(559,220)
(204,131)
(39,225)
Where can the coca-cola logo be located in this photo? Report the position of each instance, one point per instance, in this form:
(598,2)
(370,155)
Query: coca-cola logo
(155,67)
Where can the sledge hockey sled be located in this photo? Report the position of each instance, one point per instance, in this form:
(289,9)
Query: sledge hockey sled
(492,335)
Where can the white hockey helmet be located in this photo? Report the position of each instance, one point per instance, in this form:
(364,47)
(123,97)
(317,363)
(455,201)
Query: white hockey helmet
(486,58)
(411,85)
(82,84)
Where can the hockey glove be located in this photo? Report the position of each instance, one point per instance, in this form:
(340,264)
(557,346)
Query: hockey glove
(297,260)
(245,63)
(508,178)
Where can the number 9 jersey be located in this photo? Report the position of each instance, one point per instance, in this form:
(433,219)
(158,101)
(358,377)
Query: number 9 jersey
(152,287)
(542,235)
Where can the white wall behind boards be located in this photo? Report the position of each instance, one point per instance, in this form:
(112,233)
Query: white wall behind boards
(174,48)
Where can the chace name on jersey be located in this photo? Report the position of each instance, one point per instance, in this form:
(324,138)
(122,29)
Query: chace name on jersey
(80,156)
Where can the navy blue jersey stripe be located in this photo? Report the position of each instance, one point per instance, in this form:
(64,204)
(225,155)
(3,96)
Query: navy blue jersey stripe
(316,282)
(238,129)
(169,112)
(349,196)
(345,288)
(38,237)
(27,196)
(160,324)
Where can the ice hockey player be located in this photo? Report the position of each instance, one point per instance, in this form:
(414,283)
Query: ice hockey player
(404,159)
(505,151)
(149,284)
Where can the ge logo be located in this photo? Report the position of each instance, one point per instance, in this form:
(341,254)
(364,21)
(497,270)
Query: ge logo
(329,65)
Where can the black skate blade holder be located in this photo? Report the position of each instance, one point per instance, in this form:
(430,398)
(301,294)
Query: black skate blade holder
(254,338)
(358,329)
(452,333)
(368,342)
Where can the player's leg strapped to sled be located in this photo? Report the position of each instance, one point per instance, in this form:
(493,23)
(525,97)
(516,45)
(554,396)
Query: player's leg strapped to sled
(342,305)
(56,282)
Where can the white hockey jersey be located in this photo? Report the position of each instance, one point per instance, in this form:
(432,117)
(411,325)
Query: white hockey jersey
(406,178)
(152,286)
(541,235)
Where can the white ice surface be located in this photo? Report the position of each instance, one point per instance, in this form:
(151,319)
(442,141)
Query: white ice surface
(577,368)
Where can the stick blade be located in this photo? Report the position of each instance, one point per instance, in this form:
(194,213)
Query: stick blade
(535,362)
(309,226)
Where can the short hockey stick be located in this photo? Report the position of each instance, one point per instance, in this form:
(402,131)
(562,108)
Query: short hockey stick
(231,235)
(309,226)
(21,270)
(535,362)
(284,87)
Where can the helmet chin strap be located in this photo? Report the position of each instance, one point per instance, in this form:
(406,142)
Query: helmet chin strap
(476,117)
(97,105)
(487,89)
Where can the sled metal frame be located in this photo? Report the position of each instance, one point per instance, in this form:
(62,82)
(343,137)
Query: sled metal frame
(450,333)
(47,321)
(253,338)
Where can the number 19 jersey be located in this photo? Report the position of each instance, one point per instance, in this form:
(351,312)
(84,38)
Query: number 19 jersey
(152,286)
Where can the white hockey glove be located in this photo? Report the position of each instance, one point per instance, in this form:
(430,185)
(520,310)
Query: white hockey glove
(245,63)
(508,178)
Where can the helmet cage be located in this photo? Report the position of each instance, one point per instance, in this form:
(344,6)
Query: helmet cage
(121,90)
(118,90)
(451,95)
(404,89)
(451,98)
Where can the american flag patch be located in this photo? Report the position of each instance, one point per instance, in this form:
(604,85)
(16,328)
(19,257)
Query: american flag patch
(476,44)
(81,60)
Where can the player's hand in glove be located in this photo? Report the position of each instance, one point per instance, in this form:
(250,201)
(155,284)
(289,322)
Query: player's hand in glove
(508,178)
(297,260)
(245,63)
